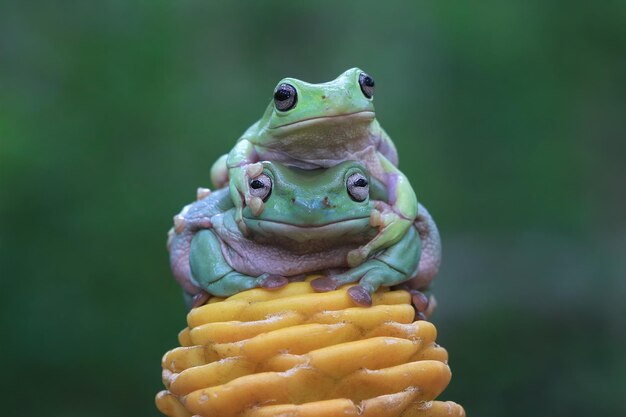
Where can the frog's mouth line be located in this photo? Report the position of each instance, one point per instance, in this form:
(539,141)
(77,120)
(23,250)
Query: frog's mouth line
(339,231)
(362,114)
(351,220)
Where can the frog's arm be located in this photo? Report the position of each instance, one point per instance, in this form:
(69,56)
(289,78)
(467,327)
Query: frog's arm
(242,154)
(387,148)
(394,265)
(401,195)
(216,276)
(193,217)
(394,218)
(238,161)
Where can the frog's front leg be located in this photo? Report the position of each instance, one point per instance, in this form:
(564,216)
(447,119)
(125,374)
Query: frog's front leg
(392,219)
(243,164)
(391,267)
(216,276)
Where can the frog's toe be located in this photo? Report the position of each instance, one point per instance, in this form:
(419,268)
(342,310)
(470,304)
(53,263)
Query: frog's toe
(274,282)
(356,257)
(419,301)
(422,304)
(199,299)
(241,224)
(375,218)
(360,296)
(254,170)
(324,284)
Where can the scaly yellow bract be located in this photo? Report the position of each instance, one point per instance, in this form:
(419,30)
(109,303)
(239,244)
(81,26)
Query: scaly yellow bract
(297,353)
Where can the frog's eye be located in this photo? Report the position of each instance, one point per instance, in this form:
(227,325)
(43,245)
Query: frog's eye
(367,85)
(358,187)
(285,97)
(261,187)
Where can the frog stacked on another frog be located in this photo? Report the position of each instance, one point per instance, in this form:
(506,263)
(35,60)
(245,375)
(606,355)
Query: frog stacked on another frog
(313,126)
(310,220)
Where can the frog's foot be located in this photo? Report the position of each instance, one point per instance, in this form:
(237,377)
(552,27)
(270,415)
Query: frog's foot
(392,227)
(274,282)
(370,276)
(235,282)
(358,294)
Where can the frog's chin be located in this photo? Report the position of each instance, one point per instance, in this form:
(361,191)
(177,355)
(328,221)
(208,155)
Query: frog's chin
(348,230)
(355,119)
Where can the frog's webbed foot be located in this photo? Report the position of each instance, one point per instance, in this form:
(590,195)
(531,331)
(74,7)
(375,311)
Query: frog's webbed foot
(235,282)
(358,294)
(369,275)
(392,228)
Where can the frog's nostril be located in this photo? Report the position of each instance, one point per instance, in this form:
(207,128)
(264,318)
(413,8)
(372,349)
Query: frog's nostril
(324,97)
(326,201)
(293,199)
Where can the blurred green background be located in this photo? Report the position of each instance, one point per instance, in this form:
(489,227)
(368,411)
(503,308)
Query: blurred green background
(510,122)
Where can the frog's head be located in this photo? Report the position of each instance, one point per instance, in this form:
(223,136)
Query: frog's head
(327,205)
(338,108)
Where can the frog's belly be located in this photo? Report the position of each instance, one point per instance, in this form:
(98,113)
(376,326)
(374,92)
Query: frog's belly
(254,259)
(326,158)
(292,250)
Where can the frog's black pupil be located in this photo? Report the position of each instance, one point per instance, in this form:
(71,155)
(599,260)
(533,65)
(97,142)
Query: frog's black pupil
(361,182)
(256,184)
(367,85)
(282,94)
(285,97)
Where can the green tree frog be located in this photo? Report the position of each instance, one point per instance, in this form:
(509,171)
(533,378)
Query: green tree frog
(311,126)
(308,223)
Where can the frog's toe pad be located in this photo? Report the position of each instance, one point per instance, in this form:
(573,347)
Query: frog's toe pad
(360,296)
(419,301)
(274,282)
(356,257)
(324,284)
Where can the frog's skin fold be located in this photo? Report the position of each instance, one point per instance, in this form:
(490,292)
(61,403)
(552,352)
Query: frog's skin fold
(327,124)
(309,223)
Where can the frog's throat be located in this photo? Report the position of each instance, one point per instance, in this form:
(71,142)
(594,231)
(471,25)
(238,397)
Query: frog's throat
(355,117)
(353,227)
